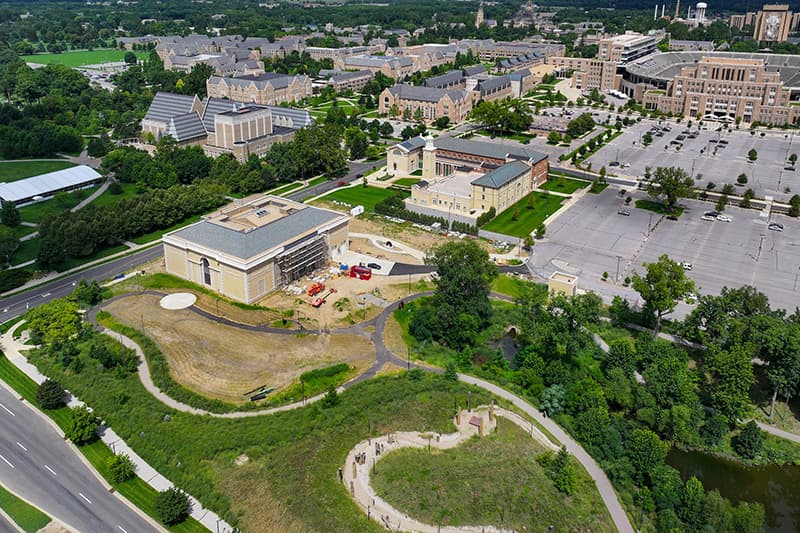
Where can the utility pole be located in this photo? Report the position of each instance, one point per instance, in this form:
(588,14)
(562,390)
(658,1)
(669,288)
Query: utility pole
(617,276)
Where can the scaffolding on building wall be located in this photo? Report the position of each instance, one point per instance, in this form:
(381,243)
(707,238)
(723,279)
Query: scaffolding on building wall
(302,258)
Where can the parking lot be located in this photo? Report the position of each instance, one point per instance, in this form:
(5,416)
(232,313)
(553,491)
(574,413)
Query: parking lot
(713,156)
(590,238)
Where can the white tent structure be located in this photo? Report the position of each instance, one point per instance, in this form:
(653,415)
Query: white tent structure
(30,189)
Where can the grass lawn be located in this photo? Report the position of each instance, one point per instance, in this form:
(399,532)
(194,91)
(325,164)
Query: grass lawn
(26,516)
(283,189)
(360,195)
(35,213)
(658,207)
(597,187)
(129,190)
(509,285)
(27,251)
(527,219)
(493,480)
(17,170)
(285,475)
(611,333)
(565,185)
(81,57)
(406,182)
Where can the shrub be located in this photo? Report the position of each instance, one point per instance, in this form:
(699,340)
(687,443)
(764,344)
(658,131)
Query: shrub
(172,506)
(115,188)
(741,179)
(121,468)
(13,278)
(83,427)
(486,217)
(50,394)
(749,442)
(331,398)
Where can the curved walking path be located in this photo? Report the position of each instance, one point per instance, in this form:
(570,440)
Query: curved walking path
(356,475)
(383,356)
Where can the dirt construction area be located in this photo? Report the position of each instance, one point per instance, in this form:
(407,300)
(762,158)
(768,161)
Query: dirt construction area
(224,362)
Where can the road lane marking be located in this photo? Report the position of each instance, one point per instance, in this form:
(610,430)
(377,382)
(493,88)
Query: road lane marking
(51,470)
(84,497)
(9,411)
(21,446)
(122,529)
(7,461)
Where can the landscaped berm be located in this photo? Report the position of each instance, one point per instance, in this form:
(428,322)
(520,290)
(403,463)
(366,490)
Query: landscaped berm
(225,362)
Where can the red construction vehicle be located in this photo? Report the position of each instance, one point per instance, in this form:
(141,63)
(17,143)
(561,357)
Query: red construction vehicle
(316,289)
(321,300)
(360,272)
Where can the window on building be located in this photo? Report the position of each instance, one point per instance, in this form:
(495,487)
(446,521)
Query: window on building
(204,266)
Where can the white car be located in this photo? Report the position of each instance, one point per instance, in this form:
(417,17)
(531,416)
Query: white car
(708,217)
(686,266)
(724,218)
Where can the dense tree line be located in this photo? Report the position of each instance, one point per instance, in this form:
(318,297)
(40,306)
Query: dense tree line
(82,233)
(506,116)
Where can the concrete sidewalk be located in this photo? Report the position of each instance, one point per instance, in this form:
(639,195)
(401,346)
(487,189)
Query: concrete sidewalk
(150,475)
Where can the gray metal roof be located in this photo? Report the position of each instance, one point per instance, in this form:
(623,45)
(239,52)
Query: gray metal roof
(493,84)
(378,61)
(412,143)
(44,184)
(425,94)
(344,76)
(186,127)
(472,71)
(215,106)
(502,175)
(246,245)
(453,77)
(290,116)
(487,149)
(167,105)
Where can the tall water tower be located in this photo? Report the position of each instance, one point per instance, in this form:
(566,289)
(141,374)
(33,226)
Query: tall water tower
(700,12)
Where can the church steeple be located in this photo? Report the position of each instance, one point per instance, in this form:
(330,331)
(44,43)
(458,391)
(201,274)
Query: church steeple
(479,18)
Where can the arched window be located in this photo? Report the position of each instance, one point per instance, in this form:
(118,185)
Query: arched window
(206,271)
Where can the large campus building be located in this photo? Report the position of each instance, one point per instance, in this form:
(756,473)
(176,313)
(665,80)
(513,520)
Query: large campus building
(254,246)
(263,89)
(761,88)
(222,126)
(463,178)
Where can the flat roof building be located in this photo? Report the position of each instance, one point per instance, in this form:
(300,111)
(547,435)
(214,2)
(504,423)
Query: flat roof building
(39,187)
(254,246)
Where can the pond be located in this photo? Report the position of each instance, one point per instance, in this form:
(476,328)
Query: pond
(777,488)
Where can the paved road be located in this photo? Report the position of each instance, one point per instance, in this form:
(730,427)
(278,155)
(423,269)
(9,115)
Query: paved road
(43,469)
(6,527)
(356,171)
(17,304)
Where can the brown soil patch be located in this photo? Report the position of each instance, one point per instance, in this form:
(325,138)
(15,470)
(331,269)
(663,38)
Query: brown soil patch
(55,527)
(224,362)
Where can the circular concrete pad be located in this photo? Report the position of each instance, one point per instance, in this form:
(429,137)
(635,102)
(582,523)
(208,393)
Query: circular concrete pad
(178,300)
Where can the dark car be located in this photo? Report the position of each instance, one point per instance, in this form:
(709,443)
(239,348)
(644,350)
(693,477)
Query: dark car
(374,266)
(681,137)
(624,212)
(672,217)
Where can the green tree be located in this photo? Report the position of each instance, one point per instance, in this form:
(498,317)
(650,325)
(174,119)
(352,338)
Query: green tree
(50,394)
(451,371)
(130,58)
(462,291)
(749,442)
(646,452)
(669,184)
(647,139)
(552,400)
(394,111)
(731,373)
(622,354)
(752,155)
(172,506)
(722,201)
(331,398)
(83,426)
(778,345)
(9,215)
(54,321)
(553,137)
(565,476)
(662,287)
(121,468)
(9,243)
(356,142)
(386,129)
(692,500)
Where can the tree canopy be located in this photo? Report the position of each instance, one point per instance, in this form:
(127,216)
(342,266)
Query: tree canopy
(669,184)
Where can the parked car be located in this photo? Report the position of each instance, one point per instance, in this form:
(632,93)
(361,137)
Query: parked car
(624,212)
(712,213)
(775,226)
(613,164)
(686,266)
(680,137)
(708,217)
(672,217)
(374,266)
(723,142)
(724,218)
